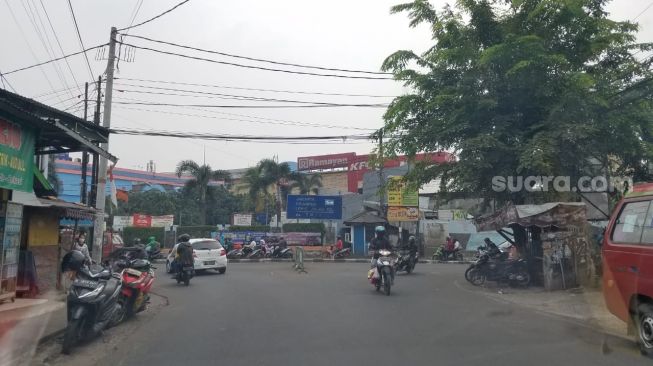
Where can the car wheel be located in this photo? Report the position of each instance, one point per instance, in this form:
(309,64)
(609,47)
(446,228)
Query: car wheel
(222,270)
(645,329)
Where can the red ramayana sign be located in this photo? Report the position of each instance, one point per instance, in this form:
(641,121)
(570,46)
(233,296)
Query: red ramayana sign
(325,161)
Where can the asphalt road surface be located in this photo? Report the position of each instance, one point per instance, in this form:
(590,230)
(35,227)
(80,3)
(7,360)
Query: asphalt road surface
(267,314)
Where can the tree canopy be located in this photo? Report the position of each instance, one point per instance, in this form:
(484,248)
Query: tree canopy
(522,87)
(202,175)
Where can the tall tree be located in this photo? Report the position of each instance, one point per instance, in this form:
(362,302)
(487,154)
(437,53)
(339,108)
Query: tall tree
(522,87)
(268,174)
(202,175)
(306,183)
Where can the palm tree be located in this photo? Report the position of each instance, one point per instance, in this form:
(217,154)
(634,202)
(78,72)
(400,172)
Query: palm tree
(202,175)
(268,173)
(306,183)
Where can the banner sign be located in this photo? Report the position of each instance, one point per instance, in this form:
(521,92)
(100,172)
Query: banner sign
(16,156)
(242,219)
(396,214)
(139,220)
(245,237)
(121,222)
(165,221)
(314,207)
(399,195)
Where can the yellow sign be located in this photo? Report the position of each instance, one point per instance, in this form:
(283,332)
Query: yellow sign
(396,214)
(399,195)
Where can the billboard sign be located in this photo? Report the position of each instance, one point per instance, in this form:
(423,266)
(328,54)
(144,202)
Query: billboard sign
(325,161)
(397,214)
(399,195)
(163,221)
(121,222)
(139,220)
(314,207)
(242,220)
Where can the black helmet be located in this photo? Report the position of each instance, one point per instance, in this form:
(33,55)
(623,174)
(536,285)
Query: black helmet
(72,261)
(183,238)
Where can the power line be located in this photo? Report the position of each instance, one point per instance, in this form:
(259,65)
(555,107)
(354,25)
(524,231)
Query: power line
(156,17)
(333,105)
(303,124)
(81,42)
(47,16)
(29,47)
(54,59)
(643,11)
(252,67)
(4,80)
(253,89)
(258,59)
(199,94)
(50,51)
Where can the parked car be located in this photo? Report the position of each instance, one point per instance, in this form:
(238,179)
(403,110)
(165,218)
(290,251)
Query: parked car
(208,253)
(111,242)
(628,264)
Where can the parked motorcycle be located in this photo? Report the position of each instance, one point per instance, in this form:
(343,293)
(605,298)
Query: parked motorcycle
(441,255)
(277,252)
(405,262)
(497,268)
(137,279)
(92,304)
(255,253)
(383,274)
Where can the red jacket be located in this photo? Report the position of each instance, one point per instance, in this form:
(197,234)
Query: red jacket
(339,244)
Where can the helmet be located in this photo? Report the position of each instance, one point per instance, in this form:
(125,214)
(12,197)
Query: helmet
(184,238)
(72,261)
(151,238)
(411,238)
(379,229)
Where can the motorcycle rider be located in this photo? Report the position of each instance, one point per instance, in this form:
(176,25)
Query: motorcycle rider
(378,243)
(152,246)
(279,247)
(184,255)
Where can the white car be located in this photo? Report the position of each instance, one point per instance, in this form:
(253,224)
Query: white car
(208,254)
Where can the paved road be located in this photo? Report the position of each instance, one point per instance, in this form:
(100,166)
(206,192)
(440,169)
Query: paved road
(266,314)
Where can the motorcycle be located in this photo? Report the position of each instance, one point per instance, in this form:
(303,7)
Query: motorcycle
(382,275)
(342,253)
(442,255)
(405,262)
(497,268)
(239,253)
(184,274)
(92,304)
(255,253)
(277,252)
(137,279)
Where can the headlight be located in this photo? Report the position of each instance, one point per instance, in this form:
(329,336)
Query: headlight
(93,293)
(385,263)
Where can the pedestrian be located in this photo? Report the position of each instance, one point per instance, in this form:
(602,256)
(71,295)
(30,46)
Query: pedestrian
(80,245)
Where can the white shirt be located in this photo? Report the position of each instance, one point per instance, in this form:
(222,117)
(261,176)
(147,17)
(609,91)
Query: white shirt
(456,244)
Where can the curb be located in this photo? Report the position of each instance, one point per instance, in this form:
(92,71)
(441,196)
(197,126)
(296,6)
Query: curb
(348,260)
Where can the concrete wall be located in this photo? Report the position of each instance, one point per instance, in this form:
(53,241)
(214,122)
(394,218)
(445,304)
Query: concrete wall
(334,183)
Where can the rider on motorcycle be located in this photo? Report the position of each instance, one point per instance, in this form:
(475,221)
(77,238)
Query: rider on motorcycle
(184,252)
(152,246)
(411,247)
(378,243)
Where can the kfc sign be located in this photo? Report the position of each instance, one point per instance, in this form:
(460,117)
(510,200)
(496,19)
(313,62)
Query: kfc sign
(325,161)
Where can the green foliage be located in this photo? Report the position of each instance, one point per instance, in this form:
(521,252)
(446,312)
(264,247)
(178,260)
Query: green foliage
(200,231)
(304,228)
(529,87)
(202,176)
(260,228)
(142,233)
(306,183)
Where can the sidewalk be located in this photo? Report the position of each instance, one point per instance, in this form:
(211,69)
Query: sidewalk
(582,304)
(26,323)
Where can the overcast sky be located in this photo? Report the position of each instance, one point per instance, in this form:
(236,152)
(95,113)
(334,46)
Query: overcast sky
(347,34)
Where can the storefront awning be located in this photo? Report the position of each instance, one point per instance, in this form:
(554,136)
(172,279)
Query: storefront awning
(64,209)
(58,131)
(559,214)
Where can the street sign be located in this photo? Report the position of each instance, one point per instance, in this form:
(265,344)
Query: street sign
(399,195)
(396,214)
(314,207)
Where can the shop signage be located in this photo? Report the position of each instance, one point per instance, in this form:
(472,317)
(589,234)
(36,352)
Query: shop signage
(400,195)
(242,220)
(396,214)
(163,221)
(314,207)
(16,156)
(325,161)
(121,222)
(139,220)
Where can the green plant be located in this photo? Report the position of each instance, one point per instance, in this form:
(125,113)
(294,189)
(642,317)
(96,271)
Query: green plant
(304,228)
(142,233)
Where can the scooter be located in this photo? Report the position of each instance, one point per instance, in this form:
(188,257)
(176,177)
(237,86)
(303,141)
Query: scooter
(342,253)
(497,268)
(405,262)
(383,273)
(442,255)
(137,279)
(92,304)
(184,274)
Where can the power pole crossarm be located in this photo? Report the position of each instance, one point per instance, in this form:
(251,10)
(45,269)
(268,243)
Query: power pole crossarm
(100,198)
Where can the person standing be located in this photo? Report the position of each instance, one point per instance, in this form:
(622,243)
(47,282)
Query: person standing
(80,245)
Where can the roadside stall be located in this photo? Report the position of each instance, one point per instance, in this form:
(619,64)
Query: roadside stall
(552,237)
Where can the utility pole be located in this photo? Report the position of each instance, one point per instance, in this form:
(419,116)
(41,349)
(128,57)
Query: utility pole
(82,192)
(381,162)
(96,120)
(100,198)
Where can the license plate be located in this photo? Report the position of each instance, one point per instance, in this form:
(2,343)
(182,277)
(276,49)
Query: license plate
(85,283)
(209,263)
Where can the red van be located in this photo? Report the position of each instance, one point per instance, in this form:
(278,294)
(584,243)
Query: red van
(628,264)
